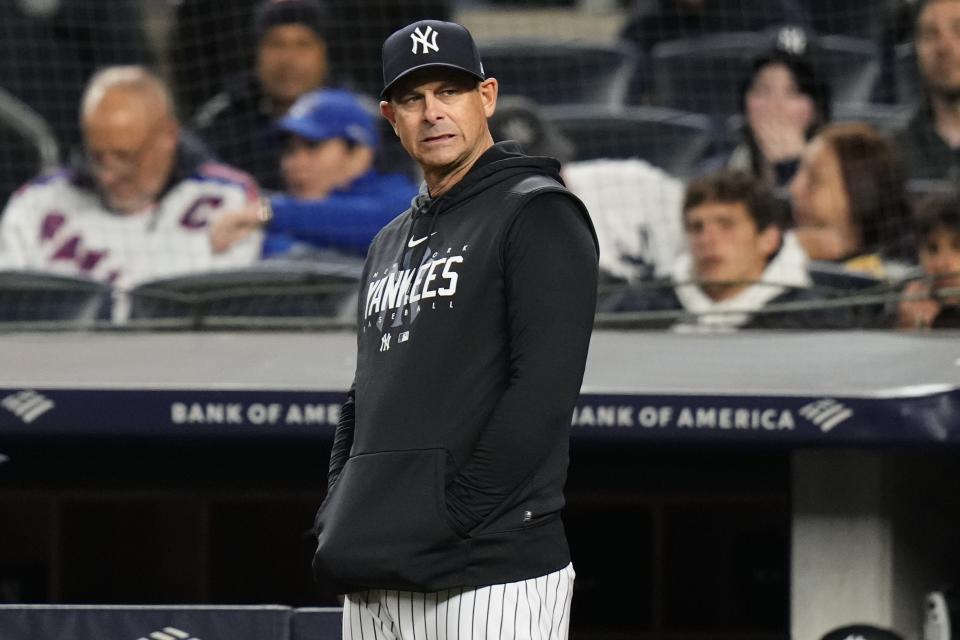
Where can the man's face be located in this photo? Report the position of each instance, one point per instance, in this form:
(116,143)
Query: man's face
(291,60)
(441,118)
(727,247)
(313,169)
(130,147)
(938,47)
(940,257)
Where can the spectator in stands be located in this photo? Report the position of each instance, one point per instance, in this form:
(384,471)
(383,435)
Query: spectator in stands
(934,301)
(931,142)
(335,198)
(739,262)
(139,205)
(291,60)
(675,19)
(354,31)
(849,201)
(784,101)
(634,205)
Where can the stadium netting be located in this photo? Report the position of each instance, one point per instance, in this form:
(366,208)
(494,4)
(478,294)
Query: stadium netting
(655,87)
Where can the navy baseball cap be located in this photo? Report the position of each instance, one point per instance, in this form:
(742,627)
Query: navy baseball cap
(428,43)
(324,114)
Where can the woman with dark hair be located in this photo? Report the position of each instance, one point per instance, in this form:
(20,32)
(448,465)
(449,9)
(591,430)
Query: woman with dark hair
(784,101)
(849,200)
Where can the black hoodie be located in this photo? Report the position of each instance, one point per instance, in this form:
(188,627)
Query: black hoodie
(449,462)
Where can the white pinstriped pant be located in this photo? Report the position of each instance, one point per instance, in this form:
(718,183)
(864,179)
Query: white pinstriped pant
(534,609)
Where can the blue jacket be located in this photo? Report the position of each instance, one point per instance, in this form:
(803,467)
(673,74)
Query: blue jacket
(346,220)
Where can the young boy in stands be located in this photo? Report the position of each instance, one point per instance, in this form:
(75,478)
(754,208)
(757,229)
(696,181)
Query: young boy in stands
(934,301)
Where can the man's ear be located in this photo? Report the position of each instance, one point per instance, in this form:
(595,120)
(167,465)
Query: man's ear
(769,240)
(386,110)
(489,89)
(171,134)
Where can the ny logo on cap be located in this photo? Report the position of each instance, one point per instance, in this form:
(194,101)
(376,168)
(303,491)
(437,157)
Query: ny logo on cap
(421,39)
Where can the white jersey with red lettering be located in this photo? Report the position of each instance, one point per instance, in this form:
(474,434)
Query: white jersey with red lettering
(56,224)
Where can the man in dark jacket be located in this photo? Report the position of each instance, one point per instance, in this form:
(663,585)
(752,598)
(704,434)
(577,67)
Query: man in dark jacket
(291,60)
(447,471)
(930,144)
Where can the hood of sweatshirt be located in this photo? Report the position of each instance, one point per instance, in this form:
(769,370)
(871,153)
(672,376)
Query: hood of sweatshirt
(500,162)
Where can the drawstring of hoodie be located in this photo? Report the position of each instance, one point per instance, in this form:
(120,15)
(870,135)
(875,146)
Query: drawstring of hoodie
(419,206)
(430,228)
(503,160)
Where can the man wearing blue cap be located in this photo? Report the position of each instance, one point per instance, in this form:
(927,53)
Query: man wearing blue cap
(335,198)
(445,485)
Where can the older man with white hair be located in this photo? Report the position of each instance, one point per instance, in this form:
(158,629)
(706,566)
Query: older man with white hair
(137,206)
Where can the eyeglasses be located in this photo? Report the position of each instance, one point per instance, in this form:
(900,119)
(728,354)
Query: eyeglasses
(121,161)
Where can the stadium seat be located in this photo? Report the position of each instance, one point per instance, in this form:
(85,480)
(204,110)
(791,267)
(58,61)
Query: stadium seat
(830,276)
(673,140)
(863,298)
(560,72)
(268,291)
(27,145)
(701,74)
(919,188)
(888,118)
(847,17)
(906,74)
(31,296)
(853,66)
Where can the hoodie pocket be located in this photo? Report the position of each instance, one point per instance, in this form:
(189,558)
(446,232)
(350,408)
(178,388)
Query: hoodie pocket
(385,524)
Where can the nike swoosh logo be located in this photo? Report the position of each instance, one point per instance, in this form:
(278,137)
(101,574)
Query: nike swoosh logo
(412,243)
